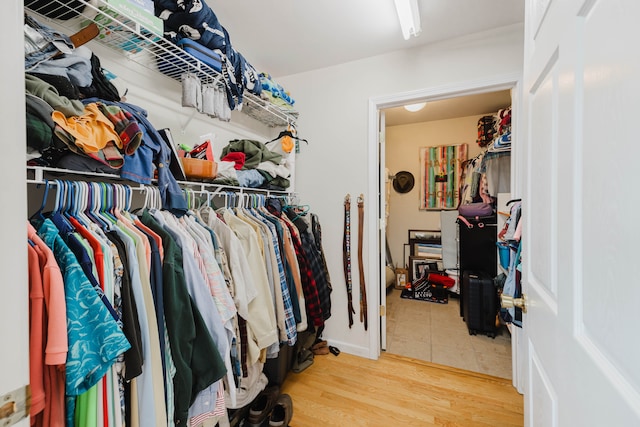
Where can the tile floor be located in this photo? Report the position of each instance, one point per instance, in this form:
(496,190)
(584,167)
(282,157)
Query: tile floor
(436,333)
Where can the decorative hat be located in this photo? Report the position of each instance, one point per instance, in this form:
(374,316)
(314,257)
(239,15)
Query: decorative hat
(403,182)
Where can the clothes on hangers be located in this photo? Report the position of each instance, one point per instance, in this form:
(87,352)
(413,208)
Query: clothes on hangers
(189,307)
(315,260)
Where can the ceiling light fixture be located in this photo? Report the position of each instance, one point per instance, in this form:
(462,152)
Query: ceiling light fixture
(415,107)
(409,17)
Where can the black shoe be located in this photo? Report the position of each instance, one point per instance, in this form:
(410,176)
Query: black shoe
(282,412)
(262,405)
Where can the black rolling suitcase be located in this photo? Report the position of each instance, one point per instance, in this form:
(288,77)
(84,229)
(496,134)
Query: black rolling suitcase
(477,247)
(478,250)
(480,303)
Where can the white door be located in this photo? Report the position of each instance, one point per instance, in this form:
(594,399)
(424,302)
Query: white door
(581,236)
(382,236)
(14,303)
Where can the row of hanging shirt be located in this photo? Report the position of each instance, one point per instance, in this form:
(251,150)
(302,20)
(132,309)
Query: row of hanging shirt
(159,320)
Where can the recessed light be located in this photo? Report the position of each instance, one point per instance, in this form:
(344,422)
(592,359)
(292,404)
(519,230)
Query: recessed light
(415,107)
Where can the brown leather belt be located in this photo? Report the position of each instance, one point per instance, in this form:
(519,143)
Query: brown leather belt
(363,286)
(346,256)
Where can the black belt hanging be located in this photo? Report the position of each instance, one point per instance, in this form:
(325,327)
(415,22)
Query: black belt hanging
(346,256)
(363,286)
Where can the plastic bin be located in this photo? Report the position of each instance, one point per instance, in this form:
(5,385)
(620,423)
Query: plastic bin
(504,254)
(199,168)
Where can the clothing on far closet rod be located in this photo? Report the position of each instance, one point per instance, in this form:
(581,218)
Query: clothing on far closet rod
(183,311)
(484,176)
(496,165)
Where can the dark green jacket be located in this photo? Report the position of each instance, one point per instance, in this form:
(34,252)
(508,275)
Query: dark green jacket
(255,152)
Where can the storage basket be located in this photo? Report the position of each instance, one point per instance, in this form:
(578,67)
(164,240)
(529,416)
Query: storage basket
(199,168)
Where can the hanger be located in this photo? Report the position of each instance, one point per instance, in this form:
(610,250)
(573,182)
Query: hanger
(80,201)
(243,201)
(60,213)
(300,210)
(156,199)
(209,197)
(106,193)
(513,201)
(65,197)
(226,200)
(93,205)
(152,198)
(56,201)
(232,200)
(187,196)
(128,196)
(38,213)
(68,198)
(145,202)
(117,200)
(288,133)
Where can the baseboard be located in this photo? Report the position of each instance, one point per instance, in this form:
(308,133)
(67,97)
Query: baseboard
(350,348)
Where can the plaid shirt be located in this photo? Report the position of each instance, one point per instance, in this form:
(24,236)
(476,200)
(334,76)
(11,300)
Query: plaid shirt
(317,235)
(309,287)
(290,323)
(317,266)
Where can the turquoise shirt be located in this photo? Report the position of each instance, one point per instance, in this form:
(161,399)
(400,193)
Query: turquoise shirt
(95,339)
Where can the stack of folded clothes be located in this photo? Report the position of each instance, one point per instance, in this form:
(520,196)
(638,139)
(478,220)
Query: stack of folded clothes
(275,93)
(502,141)
(195,20)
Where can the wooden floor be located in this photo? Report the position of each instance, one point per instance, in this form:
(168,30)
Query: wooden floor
(397,391)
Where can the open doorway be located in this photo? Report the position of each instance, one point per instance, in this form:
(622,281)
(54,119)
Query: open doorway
(417,328)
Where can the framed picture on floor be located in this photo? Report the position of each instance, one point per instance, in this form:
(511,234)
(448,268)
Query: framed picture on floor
(419,264)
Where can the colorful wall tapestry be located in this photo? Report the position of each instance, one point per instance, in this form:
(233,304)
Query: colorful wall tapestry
(440,171)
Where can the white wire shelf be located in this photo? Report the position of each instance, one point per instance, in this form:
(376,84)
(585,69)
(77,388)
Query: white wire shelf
(149,50)
(42,174)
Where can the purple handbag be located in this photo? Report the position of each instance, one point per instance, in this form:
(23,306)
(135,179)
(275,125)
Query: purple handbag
(473,210)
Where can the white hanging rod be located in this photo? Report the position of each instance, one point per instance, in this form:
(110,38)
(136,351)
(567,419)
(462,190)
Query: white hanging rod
(202,187)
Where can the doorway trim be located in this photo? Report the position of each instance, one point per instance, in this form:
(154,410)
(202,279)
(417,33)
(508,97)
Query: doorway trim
(375,217)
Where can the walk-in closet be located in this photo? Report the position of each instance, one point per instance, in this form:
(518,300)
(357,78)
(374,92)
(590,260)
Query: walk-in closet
(421,232)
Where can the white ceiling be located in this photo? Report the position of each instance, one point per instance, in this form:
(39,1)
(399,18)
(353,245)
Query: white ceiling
(470,105)
(283,37)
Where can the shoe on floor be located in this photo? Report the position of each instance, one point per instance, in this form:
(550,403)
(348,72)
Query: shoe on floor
(282,412)
(261,406)
(320,347)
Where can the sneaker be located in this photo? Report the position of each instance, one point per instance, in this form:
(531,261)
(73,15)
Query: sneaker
(282,412)
(262,405)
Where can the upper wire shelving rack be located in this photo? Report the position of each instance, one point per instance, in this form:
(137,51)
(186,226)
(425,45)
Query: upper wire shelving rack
(149,50)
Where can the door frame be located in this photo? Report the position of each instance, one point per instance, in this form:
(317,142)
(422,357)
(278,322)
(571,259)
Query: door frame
(375,216)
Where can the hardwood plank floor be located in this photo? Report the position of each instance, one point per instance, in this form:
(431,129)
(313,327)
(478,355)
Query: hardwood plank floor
(398,391)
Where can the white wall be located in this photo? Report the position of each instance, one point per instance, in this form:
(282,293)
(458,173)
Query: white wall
(333,105)
(402,154)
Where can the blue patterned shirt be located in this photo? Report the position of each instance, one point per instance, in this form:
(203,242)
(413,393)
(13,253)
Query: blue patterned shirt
(95,339)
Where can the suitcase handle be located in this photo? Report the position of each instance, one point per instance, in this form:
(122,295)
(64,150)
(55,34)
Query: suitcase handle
(468,224)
